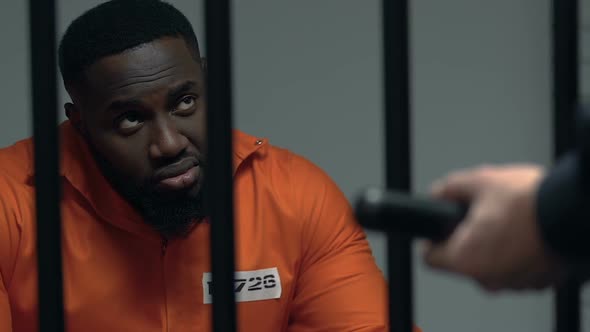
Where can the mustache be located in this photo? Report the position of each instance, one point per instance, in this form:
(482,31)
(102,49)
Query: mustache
(176,166)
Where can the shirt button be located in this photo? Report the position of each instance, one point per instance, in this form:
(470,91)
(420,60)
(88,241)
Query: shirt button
(258,142)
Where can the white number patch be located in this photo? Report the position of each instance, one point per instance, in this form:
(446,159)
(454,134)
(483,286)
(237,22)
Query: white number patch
(257,285)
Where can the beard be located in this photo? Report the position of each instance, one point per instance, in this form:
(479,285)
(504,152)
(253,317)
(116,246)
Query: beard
(172,214)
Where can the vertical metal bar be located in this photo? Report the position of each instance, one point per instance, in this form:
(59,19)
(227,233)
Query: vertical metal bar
(565,73)
(398,158)
(567,307)
(565,98)
(47,180)
(219,183)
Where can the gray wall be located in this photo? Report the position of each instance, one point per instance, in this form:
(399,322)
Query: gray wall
(481,94)
(308,76)
(14,71)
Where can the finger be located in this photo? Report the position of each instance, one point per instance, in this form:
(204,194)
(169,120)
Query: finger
(442,255)
(454,254)
(438,185)
(437,256)
(459,186)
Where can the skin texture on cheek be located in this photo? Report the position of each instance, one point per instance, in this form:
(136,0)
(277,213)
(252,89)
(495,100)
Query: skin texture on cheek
(129,158)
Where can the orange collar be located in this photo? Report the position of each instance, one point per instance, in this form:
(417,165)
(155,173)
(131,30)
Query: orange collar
(79,168)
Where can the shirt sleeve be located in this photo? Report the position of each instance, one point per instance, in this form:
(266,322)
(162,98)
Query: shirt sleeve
(339,286)
(5,315)
(562,209)
(9,241)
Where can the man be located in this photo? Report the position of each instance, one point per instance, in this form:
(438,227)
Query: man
(135,237)
(526,229)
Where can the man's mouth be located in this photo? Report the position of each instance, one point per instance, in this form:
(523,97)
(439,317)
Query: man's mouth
(178,176)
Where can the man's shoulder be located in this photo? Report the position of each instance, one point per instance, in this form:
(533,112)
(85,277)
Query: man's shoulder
(16,165)
(294,178)
(16,160)
(282,162)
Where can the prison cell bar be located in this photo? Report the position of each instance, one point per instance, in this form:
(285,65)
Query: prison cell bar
(219,181)
(398,121)
(396,82)
(42,39)
(395,36)
(565,57)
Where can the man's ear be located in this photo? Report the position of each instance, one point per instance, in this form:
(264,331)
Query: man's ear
(73,114)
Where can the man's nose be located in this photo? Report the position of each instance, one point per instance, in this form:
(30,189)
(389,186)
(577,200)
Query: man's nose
(166,141)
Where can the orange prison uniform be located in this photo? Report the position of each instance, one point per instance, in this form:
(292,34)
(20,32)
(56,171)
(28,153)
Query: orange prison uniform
(119,274)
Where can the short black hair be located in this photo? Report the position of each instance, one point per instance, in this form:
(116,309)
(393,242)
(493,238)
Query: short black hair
(116,26)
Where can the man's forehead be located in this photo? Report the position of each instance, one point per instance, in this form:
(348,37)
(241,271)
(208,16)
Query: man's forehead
(145,63)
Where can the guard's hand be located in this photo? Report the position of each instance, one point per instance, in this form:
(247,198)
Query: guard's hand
(498,244)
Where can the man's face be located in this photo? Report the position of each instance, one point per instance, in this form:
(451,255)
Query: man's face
(143,114)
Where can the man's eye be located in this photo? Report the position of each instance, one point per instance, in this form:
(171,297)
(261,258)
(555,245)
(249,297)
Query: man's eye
(129,121)
(186,104)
